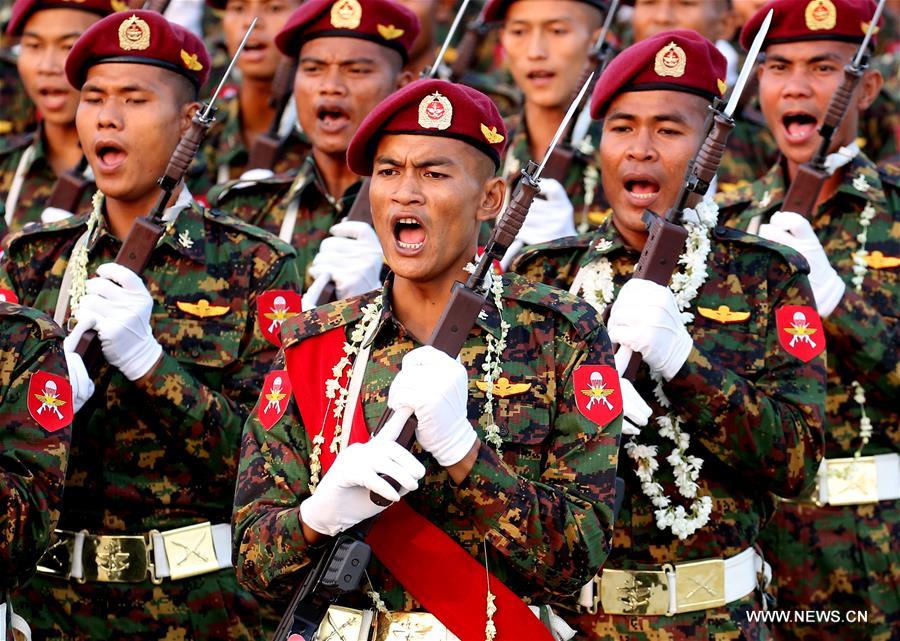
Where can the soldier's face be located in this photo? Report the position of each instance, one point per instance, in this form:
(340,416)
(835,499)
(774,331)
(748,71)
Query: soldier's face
(712,19)
(547,44)
(425,11)
(796,83)
(339,81)
(129,121)
(46,40)
(260,57)
(429,196)
(648,139)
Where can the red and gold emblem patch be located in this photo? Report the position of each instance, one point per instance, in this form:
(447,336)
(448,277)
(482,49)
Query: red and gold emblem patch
(820,15)
(273,402)
(273,308)
(598,394)
(50,400)
(134,34)
(8,296)
(670,61)
(800,331)
(435,112)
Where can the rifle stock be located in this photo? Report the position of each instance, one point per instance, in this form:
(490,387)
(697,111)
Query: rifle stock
(265,149)
(69,188)
(469,44)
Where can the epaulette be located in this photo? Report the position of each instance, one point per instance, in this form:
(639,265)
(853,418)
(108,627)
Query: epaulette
(323,318)
(794,259)
(47,329)
(244,227)
(582,241)
(15,142)
(35,230)
(217,194)
(581,315)
(735,195)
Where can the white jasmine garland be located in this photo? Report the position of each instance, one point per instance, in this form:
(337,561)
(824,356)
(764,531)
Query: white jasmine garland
(860,184)
(865,423)
(79,257)
(860,265)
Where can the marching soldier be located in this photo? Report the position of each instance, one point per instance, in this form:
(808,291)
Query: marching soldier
(154,453)
(515,451)
(351,56)
(736,391)
(31,164)
(838,546)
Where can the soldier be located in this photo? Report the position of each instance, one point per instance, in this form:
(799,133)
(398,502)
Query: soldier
(351,55)
(837,548)
(154,453)
(547,45)
(737,408)
(509,460)
(31,164)
(423,49)
(246,113)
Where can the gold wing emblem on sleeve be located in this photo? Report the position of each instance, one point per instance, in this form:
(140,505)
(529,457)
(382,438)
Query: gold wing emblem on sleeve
(202,308)
(503,388)
(723,314)
(877,260)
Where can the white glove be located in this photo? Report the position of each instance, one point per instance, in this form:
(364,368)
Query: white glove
(637,412)
(54,215)
(82,385)
(645,318)
(342,498)
(551,215)
(352,257)
(118,305)
(434,387)
(794,230)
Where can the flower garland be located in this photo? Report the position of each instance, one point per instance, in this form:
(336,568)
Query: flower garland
(79,257)
(860,265)
(865,423)
(594,283)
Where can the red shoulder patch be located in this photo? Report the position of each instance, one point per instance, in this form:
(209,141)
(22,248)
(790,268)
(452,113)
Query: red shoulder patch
(8,296)
(273,402)
(50,400)
(273,308)
(598,393)
(800,331)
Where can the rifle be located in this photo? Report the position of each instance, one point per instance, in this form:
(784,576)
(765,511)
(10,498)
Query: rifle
(471,42)
(69,188)
(146,231)
(360,210)
(341,568)
(666,235)
(807,184)
(267,146)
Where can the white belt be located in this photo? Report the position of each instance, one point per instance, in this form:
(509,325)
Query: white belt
(676,588)
(864,479)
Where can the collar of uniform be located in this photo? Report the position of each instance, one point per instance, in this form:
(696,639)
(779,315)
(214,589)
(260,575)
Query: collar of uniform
(861,168)
(231,144)
(520,145)
(185,231)
(309,186)
(608,232)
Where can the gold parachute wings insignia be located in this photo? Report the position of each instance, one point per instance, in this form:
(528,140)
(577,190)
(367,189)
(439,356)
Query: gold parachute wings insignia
(594,392)
(190,61)
(503,388)
(275,396)
(202,308)
(50,401)
(801,331)
(723,314)
(491,134)
(877,260)
(390,32)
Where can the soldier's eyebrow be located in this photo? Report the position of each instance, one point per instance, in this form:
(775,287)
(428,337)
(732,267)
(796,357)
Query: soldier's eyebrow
(64,36)
(620,115)
(341,63)
(440,161)
(673,117)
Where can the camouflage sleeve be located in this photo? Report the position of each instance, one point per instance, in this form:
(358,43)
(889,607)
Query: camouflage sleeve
(554,530)
(32,459)
(273,479)
(767,425)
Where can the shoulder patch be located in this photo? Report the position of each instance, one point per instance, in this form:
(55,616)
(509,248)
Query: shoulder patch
(45,327)
(793,259)
(561,245)
(324,318)
(581,315)
(35,230)
(244,227)
(267,187)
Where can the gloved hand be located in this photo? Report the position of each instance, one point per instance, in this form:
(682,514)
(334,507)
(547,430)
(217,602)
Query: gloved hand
(82,385)
(342,498)
(794,230)
(352,257)
(54,214)
(435,388)
(551,215)
(637,412)
(118,305)
(645,318)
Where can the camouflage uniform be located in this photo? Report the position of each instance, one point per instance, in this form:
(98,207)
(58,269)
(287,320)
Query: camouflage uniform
(582,180)
(33,464)
(544,506)
(17,113)
(224,155)
(37,187)
(162,452)
(833,557)
(753,411)
(750,152)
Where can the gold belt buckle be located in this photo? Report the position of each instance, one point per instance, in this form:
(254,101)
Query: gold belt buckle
(412,626)
(345,624)
(115,559)
(851,481)
(699,585)
(634,592)
(57,560)
(190,551)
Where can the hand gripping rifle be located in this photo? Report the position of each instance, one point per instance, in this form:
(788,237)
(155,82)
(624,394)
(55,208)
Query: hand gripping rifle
(266,147)
(69,188)
(360,210)
(666,235)
(146,231)
(807,184)
(341,568)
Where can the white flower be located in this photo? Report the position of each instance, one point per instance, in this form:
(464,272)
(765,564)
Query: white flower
(860,184)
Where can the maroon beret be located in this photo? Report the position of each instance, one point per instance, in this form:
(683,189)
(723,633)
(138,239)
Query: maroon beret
(430,108)
(23,9)
(142,37)
(495,10)
(383,22)
(680,60)
(796,20)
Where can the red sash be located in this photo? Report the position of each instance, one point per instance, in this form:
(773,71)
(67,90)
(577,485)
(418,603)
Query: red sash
(433,568)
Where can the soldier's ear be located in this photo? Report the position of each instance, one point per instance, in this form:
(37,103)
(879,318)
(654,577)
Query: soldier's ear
(404,78)
(492,198)
(869,88)
(187,115)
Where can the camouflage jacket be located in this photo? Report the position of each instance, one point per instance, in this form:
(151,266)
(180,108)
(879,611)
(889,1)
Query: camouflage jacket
(32,458)
(40,179)
(750,151)
(17,113)
(267,202)
(582,180)
(863,342)
(223,155)
(753,411)
(162,452)
(544,505)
